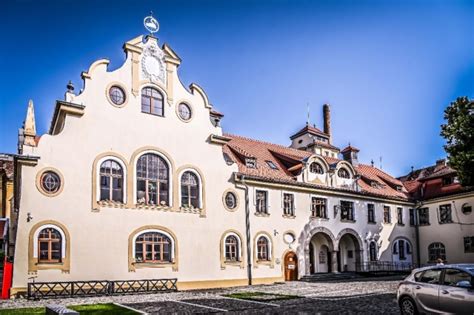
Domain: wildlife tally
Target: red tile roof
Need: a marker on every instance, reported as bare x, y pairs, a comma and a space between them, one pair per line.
350, 148
309, 129
285, 158
427, 183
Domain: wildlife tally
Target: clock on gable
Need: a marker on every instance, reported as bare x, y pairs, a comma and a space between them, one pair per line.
153, 65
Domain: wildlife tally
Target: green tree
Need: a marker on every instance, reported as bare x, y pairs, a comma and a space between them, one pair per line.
459, 134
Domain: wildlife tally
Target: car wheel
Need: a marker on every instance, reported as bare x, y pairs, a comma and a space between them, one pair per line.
408, 306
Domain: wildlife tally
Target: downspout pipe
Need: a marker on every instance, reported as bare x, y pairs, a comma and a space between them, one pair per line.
247, 230
417, 233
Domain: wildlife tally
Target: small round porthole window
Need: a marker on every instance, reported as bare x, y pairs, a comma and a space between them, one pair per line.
230, 200
50, 182
117, 95
289, 238
184, 112
466, 208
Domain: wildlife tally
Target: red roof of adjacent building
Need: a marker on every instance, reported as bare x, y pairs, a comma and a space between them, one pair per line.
427, 183
285, 158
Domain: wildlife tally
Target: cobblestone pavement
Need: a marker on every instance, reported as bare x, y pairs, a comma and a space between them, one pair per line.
352, 297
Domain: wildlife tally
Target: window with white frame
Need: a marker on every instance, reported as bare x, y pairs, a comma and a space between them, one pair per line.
232, 248
111, 181
347, 210
190, 190
319, 208
263, 249
153, 182
289, 204
261, 201
445, 214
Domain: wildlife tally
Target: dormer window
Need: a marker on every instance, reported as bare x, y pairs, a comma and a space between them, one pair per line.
251, 162
399, 188
343, 173
374, 184
316, 168
272, 165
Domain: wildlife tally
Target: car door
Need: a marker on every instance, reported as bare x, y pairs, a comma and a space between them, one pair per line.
453, 298
427, 290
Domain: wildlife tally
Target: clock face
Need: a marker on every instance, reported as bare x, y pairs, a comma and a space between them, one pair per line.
153, 65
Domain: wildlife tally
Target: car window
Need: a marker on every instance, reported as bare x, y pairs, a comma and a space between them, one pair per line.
431, 276
417, 276
453, 276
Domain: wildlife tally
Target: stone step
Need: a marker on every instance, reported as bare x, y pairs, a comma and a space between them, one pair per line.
328, 277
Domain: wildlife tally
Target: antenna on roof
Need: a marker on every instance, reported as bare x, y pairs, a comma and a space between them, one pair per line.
307, 109
380, 162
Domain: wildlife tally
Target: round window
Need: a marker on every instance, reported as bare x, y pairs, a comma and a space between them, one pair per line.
184, 111
289, 238
230, 200
50, 182
117, 95
466, 208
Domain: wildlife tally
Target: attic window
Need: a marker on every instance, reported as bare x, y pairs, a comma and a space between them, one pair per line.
399, 188
374, 184
272, 165
251, 162
343, 173
316, 168
227, 159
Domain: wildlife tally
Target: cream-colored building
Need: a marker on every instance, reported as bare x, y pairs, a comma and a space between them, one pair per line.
444, 211
136, 180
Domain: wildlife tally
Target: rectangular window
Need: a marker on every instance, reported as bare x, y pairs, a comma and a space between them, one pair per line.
412, 217
387, 218
469, 244
371, 213
347, 210
318, 208
289, 204
261, 201
448, 180
424, 216
445, 214
400, 216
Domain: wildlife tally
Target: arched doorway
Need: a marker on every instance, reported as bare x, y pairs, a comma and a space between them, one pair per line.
291, 266
350, 251
320, 253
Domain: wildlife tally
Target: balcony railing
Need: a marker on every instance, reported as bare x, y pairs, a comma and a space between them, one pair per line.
385, 267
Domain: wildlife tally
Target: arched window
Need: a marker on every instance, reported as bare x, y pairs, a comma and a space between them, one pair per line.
190, 190
263, 248
153, 247
49, 246
343, 173
111, 181
232, 248
152, 180
316, 168
373, 251
436, 250
152, 101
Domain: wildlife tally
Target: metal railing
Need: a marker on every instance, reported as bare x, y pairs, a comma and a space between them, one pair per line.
385, 266
46, 290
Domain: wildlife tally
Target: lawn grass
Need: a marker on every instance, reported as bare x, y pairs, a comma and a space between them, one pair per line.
24, 311
261, 296
93, 309
101, 309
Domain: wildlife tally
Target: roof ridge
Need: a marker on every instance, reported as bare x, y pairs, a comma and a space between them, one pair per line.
262, 141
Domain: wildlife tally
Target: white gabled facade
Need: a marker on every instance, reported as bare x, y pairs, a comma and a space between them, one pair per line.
99, 238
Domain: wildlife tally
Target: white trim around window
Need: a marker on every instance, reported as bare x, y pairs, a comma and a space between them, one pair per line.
239, 242
200, 185
124, 176
134, 239
270, 253
170, 174
49, 226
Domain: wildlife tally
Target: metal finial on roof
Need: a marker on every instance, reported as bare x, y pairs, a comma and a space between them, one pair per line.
70, 87
307, 109
372, 162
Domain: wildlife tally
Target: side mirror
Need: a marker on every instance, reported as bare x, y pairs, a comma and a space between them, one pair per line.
464, 284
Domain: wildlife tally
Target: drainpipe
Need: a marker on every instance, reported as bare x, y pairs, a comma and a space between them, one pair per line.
247, 230
417, 234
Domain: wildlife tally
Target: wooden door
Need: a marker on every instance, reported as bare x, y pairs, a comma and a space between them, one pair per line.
291, 267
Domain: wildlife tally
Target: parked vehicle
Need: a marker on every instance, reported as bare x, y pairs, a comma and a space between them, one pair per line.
447, 289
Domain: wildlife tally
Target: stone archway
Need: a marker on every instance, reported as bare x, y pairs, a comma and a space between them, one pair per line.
320, 251
350, 250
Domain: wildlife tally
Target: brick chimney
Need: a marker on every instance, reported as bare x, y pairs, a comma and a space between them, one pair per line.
327, 121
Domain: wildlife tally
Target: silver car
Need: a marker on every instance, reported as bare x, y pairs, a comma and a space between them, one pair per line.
438, 289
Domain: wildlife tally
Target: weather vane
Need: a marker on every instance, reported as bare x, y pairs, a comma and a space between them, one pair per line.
151, 24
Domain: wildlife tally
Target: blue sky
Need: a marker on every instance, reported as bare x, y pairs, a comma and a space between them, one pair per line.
388, 68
